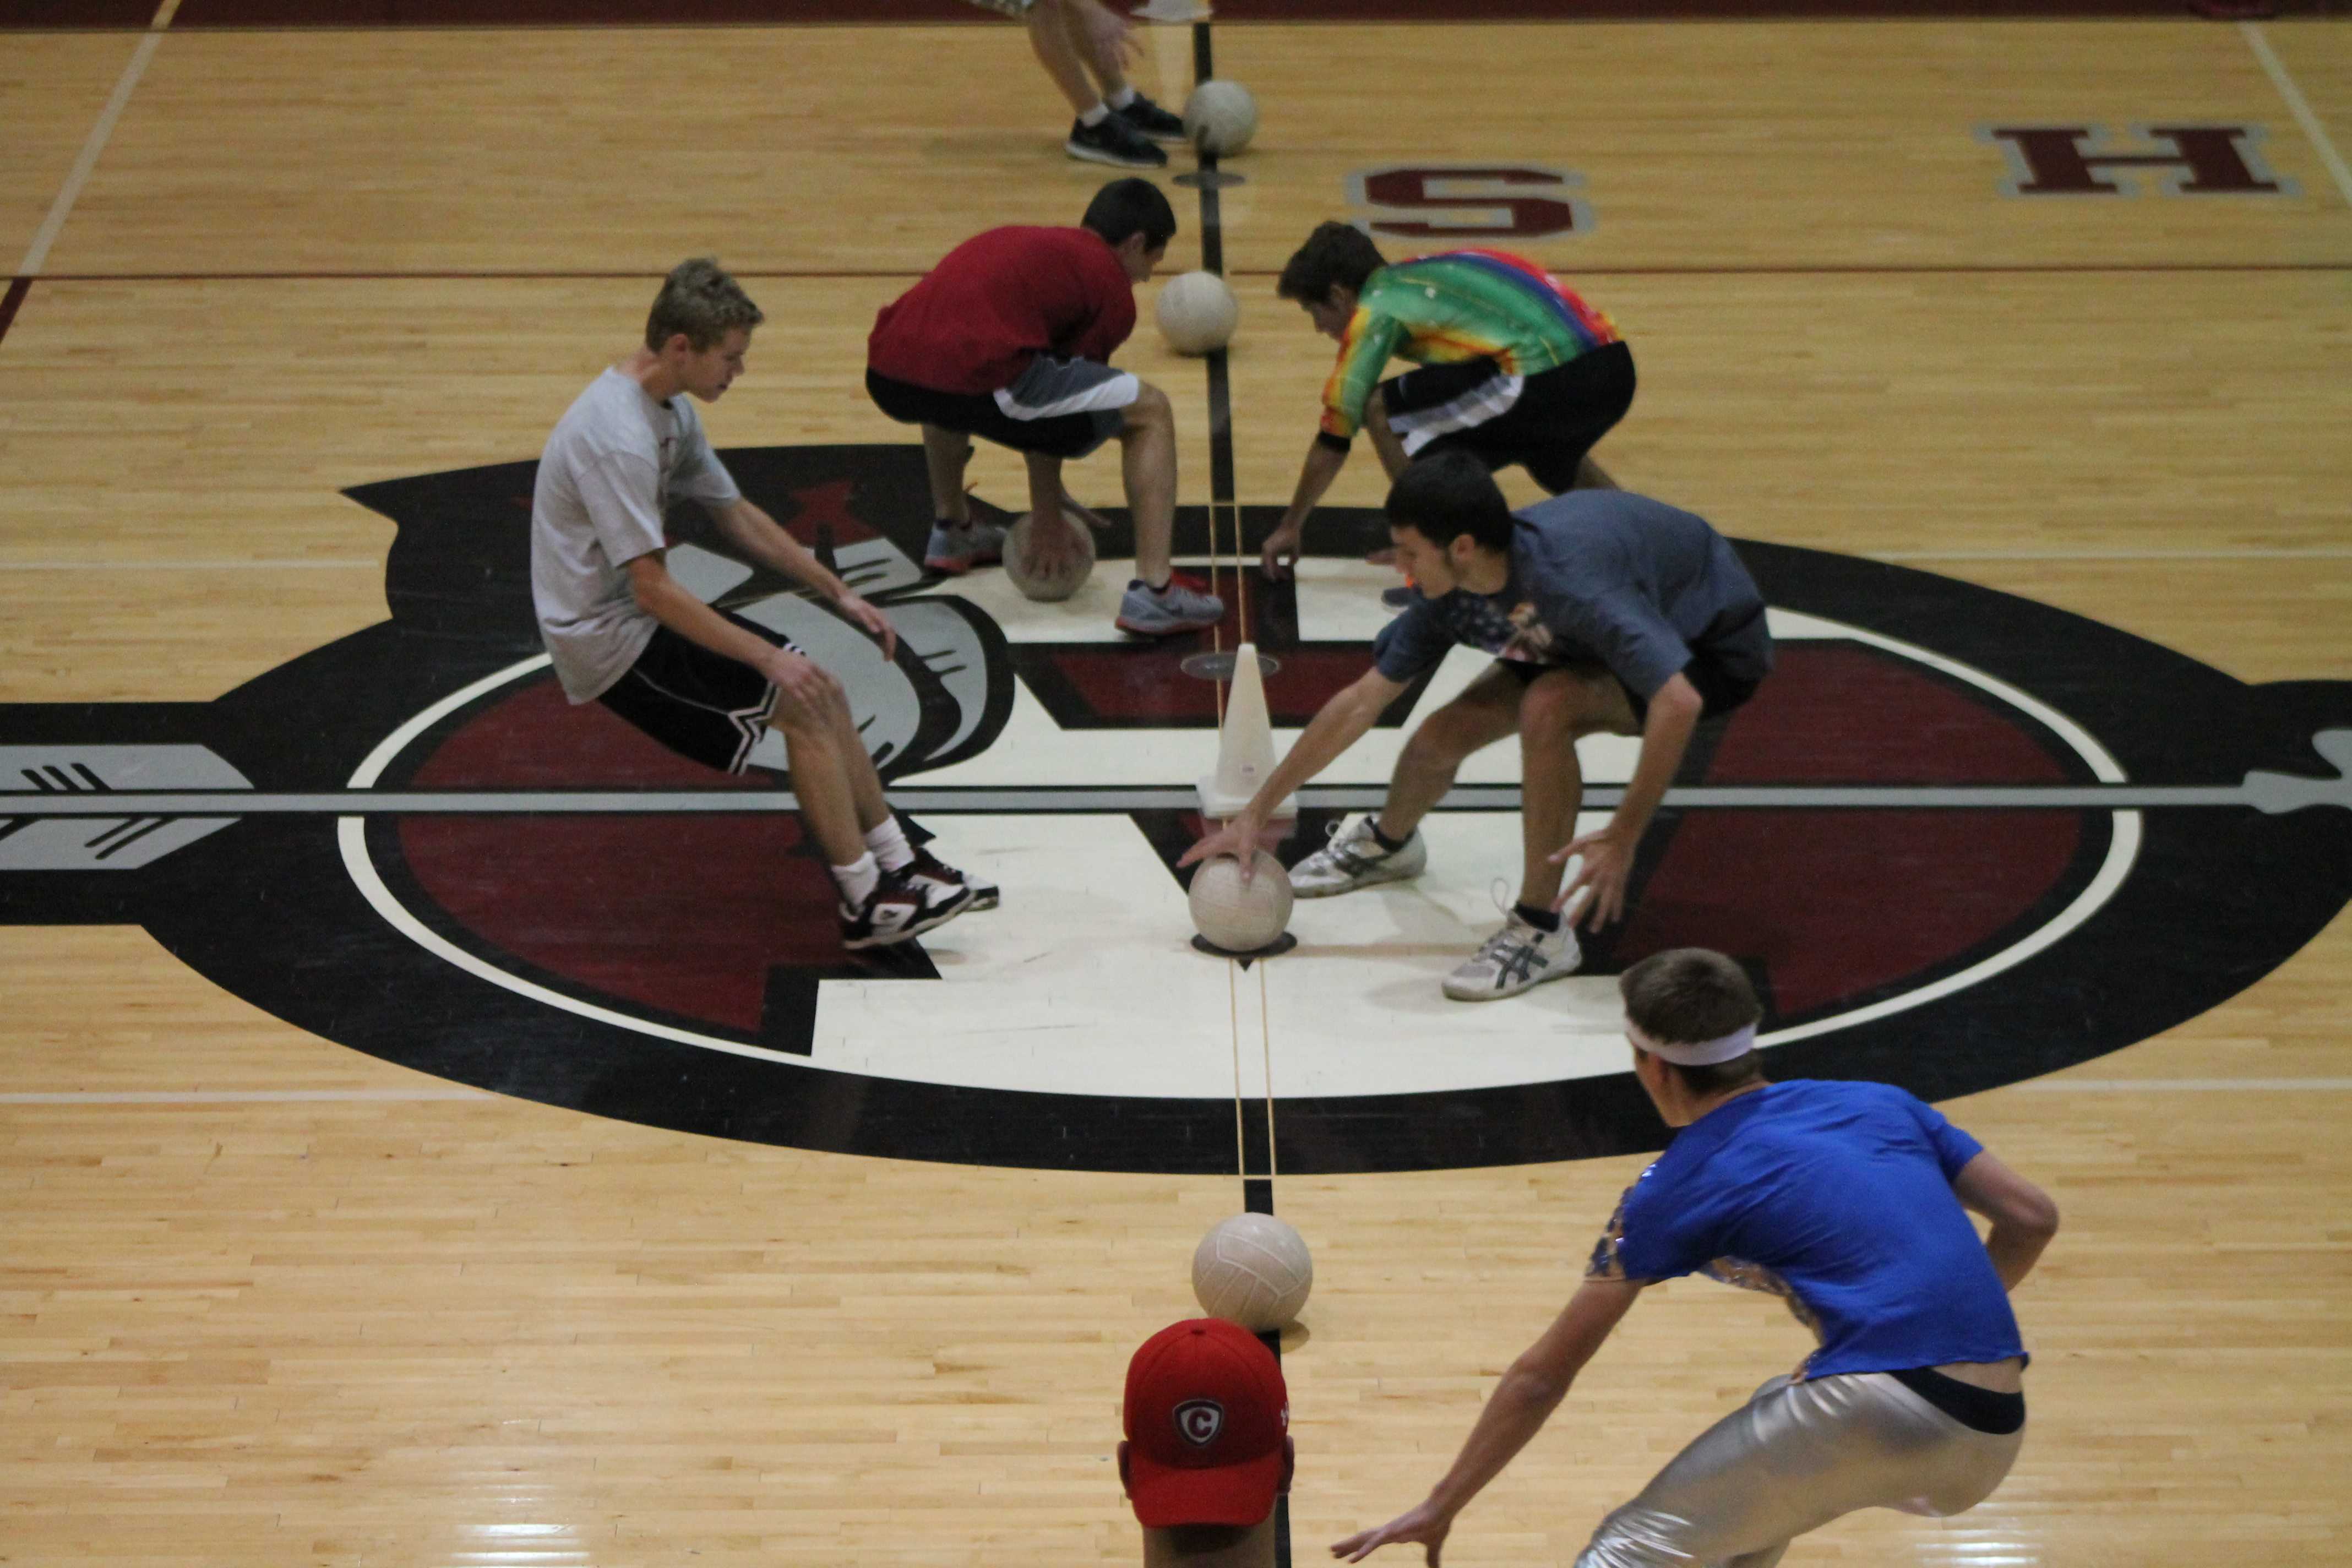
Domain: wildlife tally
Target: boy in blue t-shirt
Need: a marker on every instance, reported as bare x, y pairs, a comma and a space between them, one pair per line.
1847, 1199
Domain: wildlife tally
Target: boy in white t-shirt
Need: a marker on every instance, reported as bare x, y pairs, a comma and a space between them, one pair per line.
623, 632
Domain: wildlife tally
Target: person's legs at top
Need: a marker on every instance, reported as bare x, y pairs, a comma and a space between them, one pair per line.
1066, 37
1102, 38
884, 834
1537, 942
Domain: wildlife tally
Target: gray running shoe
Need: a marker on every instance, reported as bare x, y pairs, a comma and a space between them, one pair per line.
956, 551
1185, 606
1354, 859
1516, 958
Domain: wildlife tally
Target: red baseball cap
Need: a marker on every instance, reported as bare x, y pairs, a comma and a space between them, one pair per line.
1206, 1416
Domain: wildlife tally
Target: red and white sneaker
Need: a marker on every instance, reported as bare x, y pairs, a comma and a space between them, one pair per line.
900, 908
929, 867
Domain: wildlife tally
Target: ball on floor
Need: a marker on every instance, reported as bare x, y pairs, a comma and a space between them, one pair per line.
1033, 577
1255, 1270
1238, 916
1220, 116
1197, 313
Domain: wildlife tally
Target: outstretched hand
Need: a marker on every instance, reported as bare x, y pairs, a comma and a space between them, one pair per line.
1280, 557
875, 622
1608, 863
1111, 43
1422, 1523
1237, 838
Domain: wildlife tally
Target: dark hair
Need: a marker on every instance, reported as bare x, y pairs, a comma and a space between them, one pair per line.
699, 300
1687, 994
1447, 494
1336, 253
1131, 206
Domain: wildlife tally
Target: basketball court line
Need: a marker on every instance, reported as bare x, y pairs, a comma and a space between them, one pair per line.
248, 1095
2299, 107
36, 255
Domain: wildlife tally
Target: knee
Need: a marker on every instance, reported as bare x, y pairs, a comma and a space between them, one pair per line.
822, 708
1564, 703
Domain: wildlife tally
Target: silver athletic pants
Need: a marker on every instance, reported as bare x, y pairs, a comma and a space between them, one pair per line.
1795, 1456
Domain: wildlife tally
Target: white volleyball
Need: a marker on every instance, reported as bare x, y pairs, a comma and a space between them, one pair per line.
1238, 916
1220, 116
1036, 583
1197, 313
1255, 1270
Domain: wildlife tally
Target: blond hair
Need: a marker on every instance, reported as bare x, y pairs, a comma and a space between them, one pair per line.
699, 300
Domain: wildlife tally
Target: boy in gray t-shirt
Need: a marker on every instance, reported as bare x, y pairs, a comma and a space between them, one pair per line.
1607, 614
623, 632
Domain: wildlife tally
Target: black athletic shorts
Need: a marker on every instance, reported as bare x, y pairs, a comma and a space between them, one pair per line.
1546, 422
698, 703
1057, 407
1718, 689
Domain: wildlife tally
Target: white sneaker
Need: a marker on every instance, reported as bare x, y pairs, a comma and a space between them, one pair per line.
1354, 859
1516, 958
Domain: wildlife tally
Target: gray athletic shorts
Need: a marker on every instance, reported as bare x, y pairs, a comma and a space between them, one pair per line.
1797, 1456
1055, 407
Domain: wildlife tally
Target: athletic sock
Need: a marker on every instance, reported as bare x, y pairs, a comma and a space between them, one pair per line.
1388, 846
1095, 116
1149, 588
1122, 98
1542, 920
890, 846
859, 880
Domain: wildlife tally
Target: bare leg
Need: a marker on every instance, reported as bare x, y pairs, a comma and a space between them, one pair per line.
1113, 80
1487, 710
1559, 706
1147, 463
820, 780
1053, 34
945, 454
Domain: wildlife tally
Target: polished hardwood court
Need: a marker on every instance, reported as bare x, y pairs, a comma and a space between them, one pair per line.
266, 1298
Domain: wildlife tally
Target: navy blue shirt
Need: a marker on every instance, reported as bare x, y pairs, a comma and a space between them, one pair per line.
1598, 577
1837, 1196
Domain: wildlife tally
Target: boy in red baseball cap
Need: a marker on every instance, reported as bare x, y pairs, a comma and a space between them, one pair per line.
1207, 1450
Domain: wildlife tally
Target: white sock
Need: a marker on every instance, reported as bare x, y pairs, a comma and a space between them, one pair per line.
890, 846
858, 880
1122, 98
1094, 116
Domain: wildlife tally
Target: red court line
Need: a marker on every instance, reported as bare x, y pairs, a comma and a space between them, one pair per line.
9, 302
1792, 270
438, 14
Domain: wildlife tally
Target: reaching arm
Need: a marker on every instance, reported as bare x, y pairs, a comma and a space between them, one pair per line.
1530, 1391
758, 536
1609, 851
1324, 461
1337, 726
2024, 1217
666, 599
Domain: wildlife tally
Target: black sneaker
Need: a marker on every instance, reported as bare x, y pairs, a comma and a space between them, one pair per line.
899, 908
1153, 120
1114, 141
929, 867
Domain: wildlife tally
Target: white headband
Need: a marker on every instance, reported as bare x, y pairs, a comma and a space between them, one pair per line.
1701, 1054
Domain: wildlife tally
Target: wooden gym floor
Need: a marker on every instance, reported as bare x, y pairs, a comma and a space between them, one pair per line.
266, 1300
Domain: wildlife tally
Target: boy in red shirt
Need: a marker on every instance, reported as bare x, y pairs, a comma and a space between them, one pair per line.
1006, 339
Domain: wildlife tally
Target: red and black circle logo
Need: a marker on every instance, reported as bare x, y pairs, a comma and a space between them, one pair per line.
1958, 839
